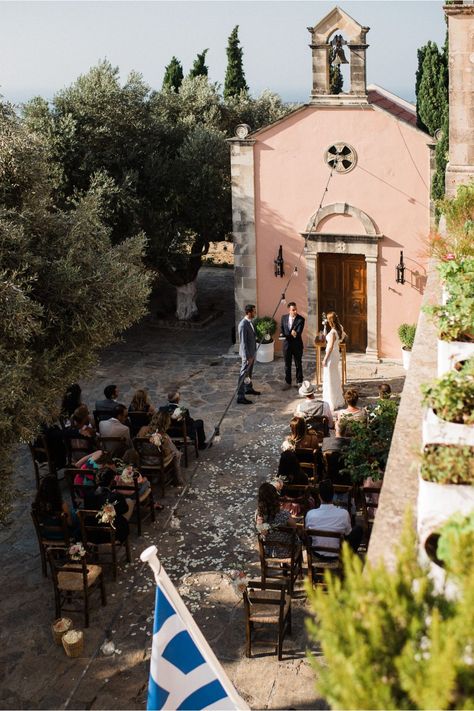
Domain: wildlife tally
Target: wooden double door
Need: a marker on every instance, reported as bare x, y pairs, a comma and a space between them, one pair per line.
342, 287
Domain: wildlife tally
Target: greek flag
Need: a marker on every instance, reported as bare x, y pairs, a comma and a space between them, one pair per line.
182, 674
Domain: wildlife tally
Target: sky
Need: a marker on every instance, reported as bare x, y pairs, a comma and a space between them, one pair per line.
45, 46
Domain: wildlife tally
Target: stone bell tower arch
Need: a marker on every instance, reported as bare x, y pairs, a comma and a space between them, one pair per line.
355, 35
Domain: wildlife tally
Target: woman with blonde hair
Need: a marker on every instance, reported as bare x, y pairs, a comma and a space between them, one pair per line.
300, 437
141, 402
160, 441
332, 383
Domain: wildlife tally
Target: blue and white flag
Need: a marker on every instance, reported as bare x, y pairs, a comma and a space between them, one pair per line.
182, 673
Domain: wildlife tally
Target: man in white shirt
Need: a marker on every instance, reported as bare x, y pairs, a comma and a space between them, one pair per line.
331, 518
116, 427
311, 406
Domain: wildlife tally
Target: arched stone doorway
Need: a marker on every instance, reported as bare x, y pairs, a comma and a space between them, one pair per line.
321, 241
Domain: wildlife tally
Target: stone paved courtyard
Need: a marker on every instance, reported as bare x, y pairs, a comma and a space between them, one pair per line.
205, 530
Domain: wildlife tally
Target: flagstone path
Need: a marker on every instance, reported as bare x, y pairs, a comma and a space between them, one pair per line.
205, 530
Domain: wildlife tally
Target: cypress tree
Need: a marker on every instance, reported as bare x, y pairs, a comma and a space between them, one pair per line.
335, 75
432, 106
173, 75
234, 76
199, 67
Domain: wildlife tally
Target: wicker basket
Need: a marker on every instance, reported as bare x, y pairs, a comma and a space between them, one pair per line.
73, 643
59, 627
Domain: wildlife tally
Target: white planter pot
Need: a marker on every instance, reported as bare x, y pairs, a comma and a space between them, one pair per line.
437, 502
444, 296
451, 352
438, 431
406, 357
266, 352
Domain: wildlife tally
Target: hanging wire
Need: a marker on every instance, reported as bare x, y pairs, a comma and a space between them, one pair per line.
216, 434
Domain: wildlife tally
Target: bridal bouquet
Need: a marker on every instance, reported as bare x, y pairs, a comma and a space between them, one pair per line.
107, 514
239, 581
76, 551
156, 439
178, 413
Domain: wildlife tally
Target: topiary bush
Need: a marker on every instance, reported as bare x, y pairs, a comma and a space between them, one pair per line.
406, 334
265, 327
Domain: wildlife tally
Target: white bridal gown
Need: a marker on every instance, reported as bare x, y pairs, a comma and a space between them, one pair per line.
332, 384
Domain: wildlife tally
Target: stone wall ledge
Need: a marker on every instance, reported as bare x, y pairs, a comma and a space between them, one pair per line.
400, 487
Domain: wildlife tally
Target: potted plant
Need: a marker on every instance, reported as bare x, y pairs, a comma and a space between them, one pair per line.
445, 485
449, 417
406, 334
454, 319
265, 327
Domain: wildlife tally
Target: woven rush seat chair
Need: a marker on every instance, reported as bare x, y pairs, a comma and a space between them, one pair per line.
70, 578
319, 425
179, 435
50, 534
317, 565
141, 504
288, 567
267, 604
90, 529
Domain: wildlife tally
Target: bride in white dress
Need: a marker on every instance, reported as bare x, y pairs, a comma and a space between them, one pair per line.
332, 384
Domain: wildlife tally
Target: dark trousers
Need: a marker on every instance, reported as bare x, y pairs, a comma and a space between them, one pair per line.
297, 355
197, 427
246, 371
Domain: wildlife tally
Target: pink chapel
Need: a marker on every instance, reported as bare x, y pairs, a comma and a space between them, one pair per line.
342, 185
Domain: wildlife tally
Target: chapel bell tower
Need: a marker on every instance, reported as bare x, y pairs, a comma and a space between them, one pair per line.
347, 47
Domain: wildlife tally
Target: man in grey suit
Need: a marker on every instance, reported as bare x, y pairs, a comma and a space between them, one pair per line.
247, 350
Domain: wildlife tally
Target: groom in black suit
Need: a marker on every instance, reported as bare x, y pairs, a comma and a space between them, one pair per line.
292, 325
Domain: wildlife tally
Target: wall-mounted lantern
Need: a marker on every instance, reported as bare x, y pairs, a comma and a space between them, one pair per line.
278, 262
400, 269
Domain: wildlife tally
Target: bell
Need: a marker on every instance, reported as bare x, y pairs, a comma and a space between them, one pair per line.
339, 57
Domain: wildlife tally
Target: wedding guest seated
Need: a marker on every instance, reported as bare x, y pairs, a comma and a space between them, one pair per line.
90, 465
71, 400
116, 427
193, 427
289, 470
329, 517
49, 506
81, 434
131, 469
159, 425
352, 412
104, 494
269, 512
340, 441
385, 393
108, 405
300, 437
140, 411
311, 406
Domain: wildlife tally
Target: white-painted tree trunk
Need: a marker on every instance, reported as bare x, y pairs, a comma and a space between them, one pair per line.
186, 301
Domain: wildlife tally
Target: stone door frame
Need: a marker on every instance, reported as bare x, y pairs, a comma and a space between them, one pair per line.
366, 245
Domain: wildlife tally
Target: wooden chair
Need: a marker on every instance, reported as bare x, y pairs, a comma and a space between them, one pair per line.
308, 460
76, 492
333, 463
43, 461
78, 446
90, 528
319, 425
289, 566
146, 500
74, 578
369, 498
50, 534
299, 495
138, 420
100, 415
115, 445
179, 435
317, 566
267, 604
154, 472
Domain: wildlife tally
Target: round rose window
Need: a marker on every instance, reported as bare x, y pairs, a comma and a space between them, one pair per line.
341, 157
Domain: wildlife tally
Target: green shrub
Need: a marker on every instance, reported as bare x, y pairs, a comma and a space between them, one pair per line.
456, 543
265, 327
369, 447
452, 395
455, 319
389, 641
448, 464
406, 334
